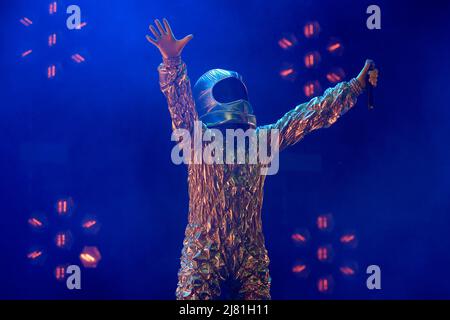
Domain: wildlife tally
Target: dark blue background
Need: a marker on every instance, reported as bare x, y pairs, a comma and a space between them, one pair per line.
100, 133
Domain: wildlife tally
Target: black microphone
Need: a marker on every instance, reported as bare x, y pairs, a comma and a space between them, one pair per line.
370, 103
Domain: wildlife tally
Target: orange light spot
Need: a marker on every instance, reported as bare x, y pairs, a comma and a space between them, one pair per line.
311, 59
34, 254
60, 272
347, 271
322, 222
82, 25
25, 53
78, 58
311, 88
61, 240
311, 29
285, 43
61, 206
334, 47
323, 285
52, 8
299, 268
35, 222
322, 253
87, 257
346, 238
51, 73
286, 72
298, 237
90, 223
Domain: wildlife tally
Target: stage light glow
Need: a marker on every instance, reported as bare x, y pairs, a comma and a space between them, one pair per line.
81, 25
60, 272
52, 8
37, 222
26, 22
348, 268
349, 239
325, 253
312, 59
311, 29
285, 43
64, 207
51, 71
90, 224
36, 255
297, 237
64, 239
288, 72
335, 75
288, 41
335, 47
347, 271
300, 269
26, 53
52, 40
325, 222
300, 237
78, 58
325, 284
90, 257
311, 88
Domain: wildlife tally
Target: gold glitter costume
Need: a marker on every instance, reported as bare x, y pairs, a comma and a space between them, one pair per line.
224, 238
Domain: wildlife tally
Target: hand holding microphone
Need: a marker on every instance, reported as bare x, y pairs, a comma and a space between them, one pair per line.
369, 69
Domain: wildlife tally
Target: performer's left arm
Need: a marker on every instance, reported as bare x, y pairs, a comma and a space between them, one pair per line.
323, 111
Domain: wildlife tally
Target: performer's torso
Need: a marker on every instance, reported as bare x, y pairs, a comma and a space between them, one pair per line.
227, 198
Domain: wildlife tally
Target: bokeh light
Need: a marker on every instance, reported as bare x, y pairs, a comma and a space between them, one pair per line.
312, 59
301, 237
37, 222
288, 41
325, 253
311, 29
64, 240
349, 239
90, 225
335, 47
325, 284
325, 222
64, 206
90, 257
335, 75
312, 88
36, 255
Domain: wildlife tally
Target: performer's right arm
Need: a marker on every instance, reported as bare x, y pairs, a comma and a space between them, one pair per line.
176, 87
173, 77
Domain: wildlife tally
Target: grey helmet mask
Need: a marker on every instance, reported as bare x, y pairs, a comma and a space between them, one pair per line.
221, 98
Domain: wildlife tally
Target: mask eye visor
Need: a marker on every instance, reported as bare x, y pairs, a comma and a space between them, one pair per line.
229, 90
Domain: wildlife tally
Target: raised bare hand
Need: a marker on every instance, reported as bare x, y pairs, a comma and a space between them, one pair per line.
165, 41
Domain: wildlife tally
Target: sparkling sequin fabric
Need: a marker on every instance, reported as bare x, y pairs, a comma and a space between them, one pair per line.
224, 239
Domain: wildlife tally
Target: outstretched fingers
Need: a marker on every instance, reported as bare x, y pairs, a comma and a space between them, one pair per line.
151, 40
160, 27
154, 32
168, 28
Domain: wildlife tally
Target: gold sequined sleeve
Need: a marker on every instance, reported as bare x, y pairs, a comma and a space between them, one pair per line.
319, 112
175, 85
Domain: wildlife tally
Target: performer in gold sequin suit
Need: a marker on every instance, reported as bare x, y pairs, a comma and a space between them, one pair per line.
224, 241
